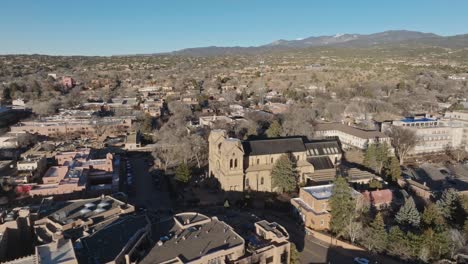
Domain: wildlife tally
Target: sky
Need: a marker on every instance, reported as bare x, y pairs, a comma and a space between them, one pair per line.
113, 27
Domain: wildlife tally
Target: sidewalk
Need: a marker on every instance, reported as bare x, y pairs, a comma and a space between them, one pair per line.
330, 241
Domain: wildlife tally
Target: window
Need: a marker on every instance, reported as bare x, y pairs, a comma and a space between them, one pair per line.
230, 164
272, 160
322, 222
269, 259
261, 181
258, 161
247, 183
235, 163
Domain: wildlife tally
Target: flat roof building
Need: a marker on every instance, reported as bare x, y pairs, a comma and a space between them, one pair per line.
195, 238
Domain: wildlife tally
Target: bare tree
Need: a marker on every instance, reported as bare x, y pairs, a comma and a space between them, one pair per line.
403, 140
198, 147
354, 231
299, 121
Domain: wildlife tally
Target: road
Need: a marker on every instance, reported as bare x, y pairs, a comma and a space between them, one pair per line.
146, 194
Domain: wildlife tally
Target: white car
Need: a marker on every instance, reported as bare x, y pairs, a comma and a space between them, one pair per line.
361, 260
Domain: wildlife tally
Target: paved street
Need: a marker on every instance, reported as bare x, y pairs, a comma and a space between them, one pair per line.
145, 193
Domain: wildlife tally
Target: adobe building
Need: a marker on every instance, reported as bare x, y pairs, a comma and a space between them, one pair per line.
76, 172
77, 218
195, 238
247, 165
312, 205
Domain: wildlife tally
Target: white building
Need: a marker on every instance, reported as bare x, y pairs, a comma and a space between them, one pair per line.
460, 119
433, 135
351, 137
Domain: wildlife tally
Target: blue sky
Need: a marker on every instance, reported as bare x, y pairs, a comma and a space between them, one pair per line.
106, 27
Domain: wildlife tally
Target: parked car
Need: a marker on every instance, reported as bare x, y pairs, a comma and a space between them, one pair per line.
361, 260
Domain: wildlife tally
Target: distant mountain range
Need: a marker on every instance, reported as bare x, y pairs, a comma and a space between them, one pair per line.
392, 37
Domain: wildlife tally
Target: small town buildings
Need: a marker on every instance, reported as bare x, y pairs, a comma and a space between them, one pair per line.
68, 82
31, 167
75, 219
153, 107
351, 137
78, 172
73, 128
15, 234
379, 199
429, 180
132, 141
196, 238
211, 121
312, 205
247, 165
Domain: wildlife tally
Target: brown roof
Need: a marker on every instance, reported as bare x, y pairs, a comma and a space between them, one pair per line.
358, 132
379, 196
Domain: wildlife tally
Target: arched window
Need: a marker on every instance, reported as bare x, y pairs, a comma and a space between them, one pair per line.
261, 181
271, 160
230, 164
258, 161
235, 163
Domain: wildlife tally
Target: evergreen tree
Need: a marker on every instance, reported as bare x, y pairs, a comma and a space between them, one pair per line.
375, 184
294, 258
432, 217
392, 169
283, 175
342, 206
381, 156
369, 156
376, 156
182, 173
448, 204
377, 235
275, 129
408, 214
434, 244
398, 243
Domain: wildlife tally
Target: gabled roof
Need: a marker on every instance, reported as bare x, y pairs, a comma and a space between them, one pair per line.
273, 146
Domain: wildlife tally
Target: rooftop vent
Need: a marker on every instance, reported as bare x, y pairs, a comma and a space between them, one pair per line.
103, 204
99, 210
85, 211
89, 205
